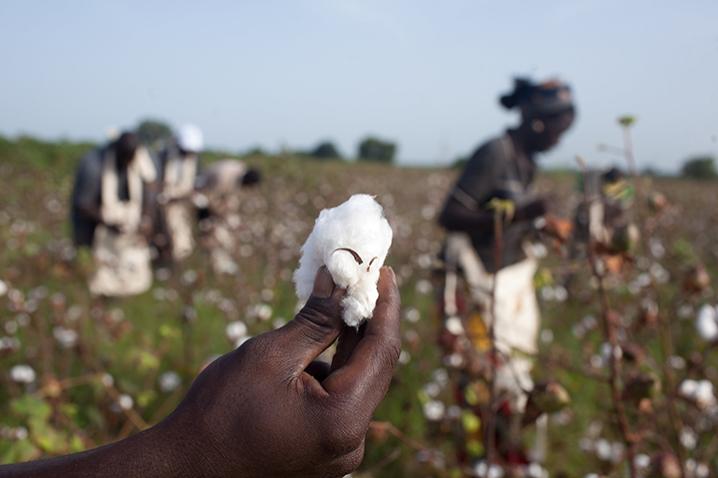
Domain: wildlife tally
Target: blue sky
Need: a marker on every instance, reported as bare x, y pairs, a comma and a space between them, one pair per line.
423, 73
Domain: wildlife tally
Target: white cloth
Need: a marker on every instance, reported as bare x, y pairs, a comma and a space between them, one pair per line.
126, 215
517, 313
122, 264
122, 258
179, 179
179, 225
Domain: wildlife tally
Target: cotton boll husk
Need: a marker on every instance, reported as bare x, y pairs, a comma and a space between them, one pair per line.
355, 226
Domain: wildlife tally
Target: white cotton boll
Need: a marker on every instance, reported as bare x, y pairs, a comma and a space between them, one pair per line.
603, 449
699, 391
352, 240
125, 402
169, 381
344, 267
707, 322
704, 394
688, 439
67, 338
434, 410
236, 330
642, 461
22, 374
688, 388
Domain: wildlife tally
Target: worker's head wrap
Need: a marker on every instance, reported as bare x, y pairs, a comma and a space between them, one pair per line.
539, 100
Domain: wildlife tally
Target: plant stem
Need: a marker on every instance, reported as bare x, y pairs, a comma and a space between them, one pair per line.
490, 435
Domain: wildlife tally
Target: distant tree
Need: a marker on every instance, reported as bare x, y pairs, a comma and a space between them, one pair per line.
152, 131
700, 167
325, 150
255, 151
374, 149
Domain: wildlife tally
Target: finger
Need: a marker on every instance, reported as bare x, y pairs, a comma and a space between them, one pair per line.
318, 369
315, 327
348, 340
364, 379
347, 463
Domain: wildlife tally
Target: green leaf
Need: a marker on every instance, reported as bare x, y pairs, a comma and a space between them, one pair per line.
30, 406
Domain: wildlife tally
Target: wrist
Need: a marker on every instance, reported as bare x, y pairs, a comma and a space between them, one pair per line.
194, 449
187, 452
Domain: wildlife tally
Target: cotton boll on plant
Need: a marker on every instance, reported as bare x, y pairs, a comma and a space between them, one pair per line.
707, 322
352, 241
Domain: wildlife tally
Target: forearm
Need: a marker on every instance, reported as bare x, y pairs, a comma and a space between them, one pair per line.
457, 217
91, 212
155, 452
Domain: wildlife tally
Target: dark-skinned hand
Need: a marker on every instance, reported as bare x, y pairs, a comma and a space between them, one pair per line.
268, 408
532, 210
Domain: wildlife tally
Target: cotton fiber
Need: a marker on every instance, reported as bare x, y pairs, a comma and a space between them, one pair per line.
352, 240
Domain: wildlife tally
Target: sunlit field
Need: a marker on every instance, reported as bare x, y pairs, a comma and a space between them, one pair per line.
77, 372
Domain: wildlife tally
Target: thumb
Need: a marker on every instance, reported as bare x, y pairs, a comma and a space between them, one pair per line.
316, 326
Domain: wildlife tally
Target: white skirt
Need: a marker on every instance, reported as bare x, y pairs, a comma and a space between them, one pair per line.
179, 226
122, 263
517, 317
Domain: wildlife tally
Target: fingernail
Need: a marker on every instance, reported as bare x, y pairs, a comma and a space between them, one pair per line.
391, 274
323, 284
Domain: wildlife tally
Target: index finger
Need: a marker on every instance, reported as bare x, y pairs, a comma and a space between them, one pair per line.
364, 378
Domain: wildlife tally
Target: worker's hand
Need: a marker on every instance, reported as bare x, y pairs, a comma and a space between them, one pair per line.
269, 409
531, 210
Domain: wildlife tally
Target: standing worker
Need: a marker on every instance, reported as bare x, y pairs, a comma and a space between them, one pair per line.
178, 165
111, 214
498, 281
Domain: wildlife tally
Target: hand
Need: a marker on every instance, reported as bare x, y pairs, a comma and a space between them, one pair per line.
266, 409
269, 409
531, 210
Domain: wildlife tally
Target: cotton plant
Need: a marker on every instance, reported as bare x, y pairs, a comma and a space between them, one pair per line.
701, 392
352, 240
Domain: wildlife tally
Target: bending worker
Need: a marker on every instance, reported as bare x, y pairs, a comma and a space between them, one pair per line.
111, 213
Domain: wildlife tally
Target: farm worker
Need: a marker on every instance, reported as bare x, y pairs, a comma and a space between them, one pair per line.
219, 199
111, 214
497, 182
267, 408
178, 164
